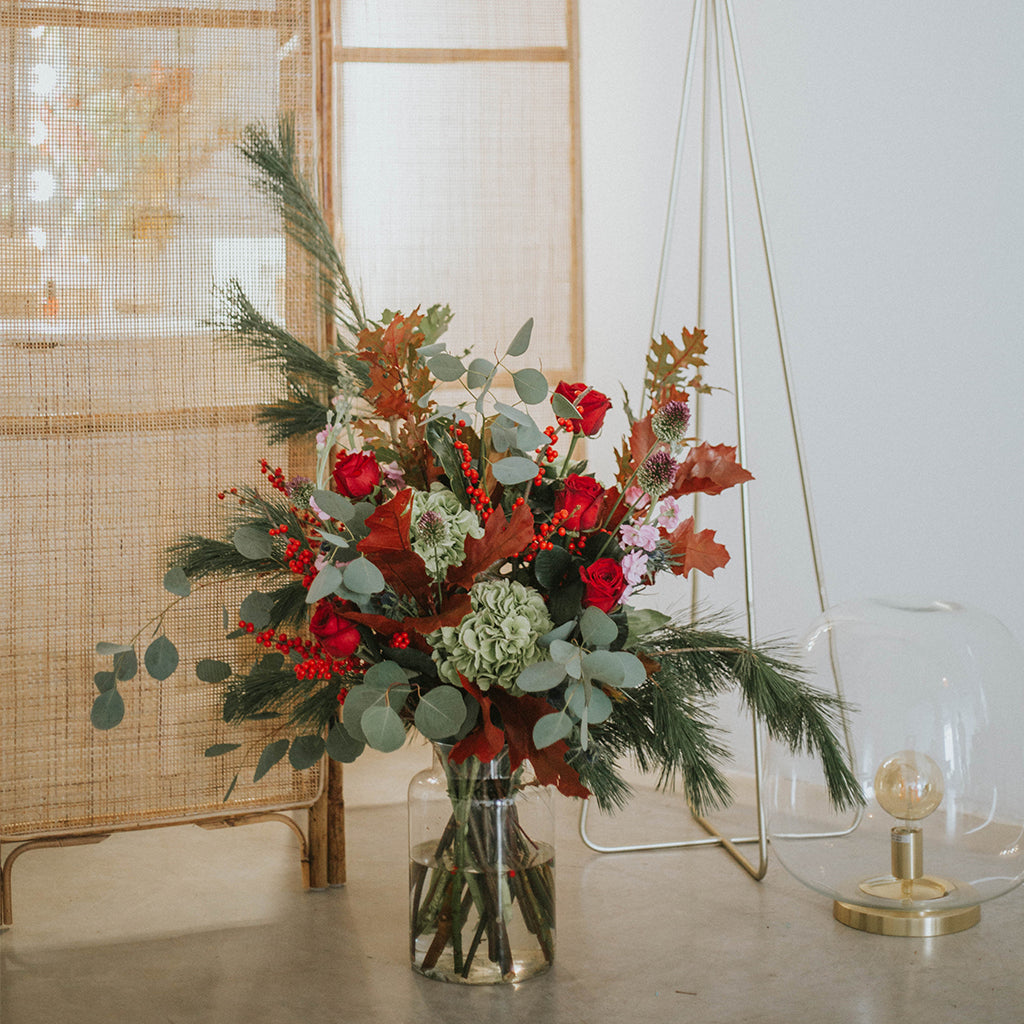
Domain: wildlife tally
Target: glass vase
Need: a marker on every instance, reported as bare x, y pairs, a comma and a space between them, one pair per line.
481, 872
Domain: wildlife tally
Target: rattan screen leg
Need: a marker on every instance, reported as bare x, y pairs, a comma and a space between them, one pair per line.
336, 866
318, 841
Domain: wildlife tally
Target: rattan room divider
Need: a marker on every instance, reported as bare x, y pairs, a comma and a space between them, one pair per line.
444, 135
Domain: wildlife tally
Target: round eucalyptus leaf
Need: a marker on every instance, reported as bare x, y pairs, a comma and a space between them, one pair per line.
358, 700
176, 582
210, 670
256, 609
550, 729
529, 437
105, 648
545, 675
518, 416
363, 577
107, 710
479, 373
161, 658
126, 664
514, 470
383, 674
383, 729
325, 583
531, 385
597, 628
633, 671
306, 751
564, 653
253, 543
502, 437
604, 666
445, 366
595, 707
272, 753
337, 506
105, 681
341, 746
562, 632
440, 712
521, 342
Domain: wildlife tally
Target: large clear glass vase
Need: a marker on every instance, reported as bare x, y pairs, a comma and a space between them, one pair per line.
481, 872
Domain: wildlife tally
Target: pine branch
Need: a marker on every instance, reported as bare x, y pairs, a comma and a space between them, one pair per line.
279, 178
298, 416
793, 712
245, 327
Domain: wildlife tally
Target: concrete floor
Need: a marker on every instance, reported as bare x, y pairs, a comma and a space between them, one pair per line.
183, 926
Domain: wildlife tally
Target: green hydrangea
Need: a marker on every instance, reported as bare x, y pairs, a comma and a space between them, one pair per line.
497, 639
439, 528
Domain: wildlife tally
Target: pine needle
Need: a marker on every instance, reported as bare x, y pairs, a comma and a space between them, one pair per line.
279, 178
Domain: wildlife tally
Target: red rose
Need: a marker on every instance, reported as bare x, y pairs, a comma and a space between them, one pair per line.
356, 474
583, 498
592, 407
337, 635
604, 582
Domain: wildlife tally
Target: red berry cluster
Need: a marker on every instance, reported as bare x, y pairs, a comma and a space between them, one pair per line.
548, 454
313, 663
400, 640
300, 559
323, 666
276, 531
275, 477
281, 641
221, 495
478, 497
540, 540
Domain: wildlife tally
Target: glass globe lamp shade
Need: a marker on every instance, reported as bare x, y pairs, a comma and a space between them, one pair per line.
936, 692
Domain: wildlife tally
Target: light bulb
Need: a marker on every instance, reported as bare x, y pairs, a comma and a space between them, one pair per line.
909, 785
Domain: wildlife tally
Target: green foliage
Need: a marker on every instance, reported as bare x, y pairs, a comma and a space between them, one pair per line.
278, 176
668, 727
272, 753
107, 710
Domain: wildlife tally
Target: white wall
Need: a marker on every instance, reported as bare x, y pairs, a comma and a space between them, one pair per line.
891, 146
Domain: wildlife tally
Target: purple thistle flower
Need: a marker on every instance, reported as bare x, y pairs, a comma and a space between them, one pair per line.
669, 423
657, 473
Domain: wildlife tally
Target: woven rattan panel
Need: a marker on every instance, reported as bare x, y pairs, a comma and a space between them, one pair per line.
122, 203
471, 195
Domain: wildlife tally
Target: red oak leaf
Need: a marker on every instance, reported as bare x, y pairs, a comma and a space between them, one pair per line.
502, 538
696, 550
453, 612
641, 440
378, 623
709, 469
519, 715
486, 740
387, 546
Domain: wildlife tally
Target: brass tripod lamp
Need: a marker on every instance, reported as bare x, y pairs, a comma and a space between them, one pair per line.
936, 690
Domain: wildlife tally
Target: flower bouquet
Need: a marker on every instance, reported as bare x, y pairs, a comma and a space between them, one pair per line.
453, 567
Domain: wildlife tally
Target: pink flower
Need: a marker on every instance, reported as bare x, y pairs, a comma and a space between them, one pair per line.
644, 536
394, 475
634, 567
669, 514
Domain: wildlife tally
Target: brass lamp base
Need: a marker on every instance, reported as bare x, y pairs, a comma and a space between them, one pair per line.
917, 924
